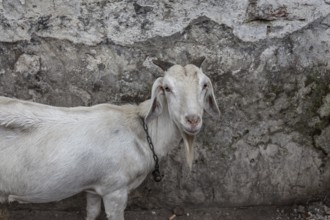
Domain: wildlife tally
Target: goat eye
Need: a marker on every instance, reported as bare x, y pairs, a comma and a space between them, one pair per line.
205, 86
167, 89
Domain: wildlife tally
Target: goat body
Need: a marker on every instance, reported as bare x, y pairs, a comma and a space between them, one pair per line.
51, 153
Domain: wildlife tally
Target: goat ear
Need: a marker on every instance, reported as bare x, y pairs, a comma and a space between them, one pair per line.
156, 106
198, 62
210, 103
163, 64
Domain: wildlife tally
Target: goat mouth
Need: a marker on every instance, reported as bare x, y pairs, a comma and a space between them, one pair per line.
191, 131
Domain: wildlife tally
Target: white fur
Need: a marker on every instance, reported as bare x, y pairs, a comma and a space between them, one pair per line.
51, 153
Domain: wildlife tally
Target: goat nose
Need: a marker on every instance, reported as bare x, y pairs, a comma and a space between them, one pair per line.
193, 119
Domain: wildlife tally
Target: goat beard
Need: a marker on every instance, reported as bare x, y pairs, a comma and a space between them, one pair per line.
189, 142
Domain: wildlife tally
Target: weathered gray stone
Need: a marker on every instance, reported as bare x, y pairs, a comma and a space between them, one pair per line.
323, 140
125, 22
268, 60
27, 65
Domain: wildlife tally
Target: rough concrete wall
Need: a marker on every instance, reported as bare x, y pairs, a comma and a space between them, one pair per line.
269, 61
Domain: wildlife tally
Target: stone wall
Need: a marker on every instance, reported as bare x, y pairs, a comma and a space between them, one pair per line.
269, 61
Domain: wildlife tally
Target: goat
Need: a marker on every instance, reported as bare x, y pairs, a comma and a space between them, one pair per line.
50, 153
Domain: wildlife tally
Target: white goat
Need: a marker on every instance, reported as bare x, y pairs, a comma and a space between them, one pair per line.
51, 153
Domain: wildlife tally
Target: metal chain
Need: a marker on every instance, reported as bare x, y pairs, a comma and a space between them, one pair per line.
156, 172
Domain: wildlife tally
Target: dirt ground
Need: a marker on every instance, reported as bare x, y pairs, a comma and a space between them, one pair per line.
313, 211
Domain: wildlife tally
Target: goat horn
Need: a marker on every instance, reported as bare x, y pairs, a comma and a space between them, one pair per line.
198, 62
163, 64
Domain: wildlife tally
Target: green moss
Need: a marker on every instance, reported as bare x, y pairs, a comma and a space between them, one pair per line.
320, 89
313, 102
310, 103
325, 108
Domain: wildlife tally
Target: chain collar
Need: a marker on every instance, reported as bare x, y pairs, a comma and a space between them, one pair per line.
156, 172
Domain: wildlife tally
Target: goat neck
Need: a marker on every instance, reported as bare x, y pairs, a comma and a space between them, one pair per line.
163, 131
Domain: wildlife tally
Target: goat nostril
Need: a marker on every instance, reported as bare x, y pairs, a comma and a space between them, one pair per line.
193, 119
